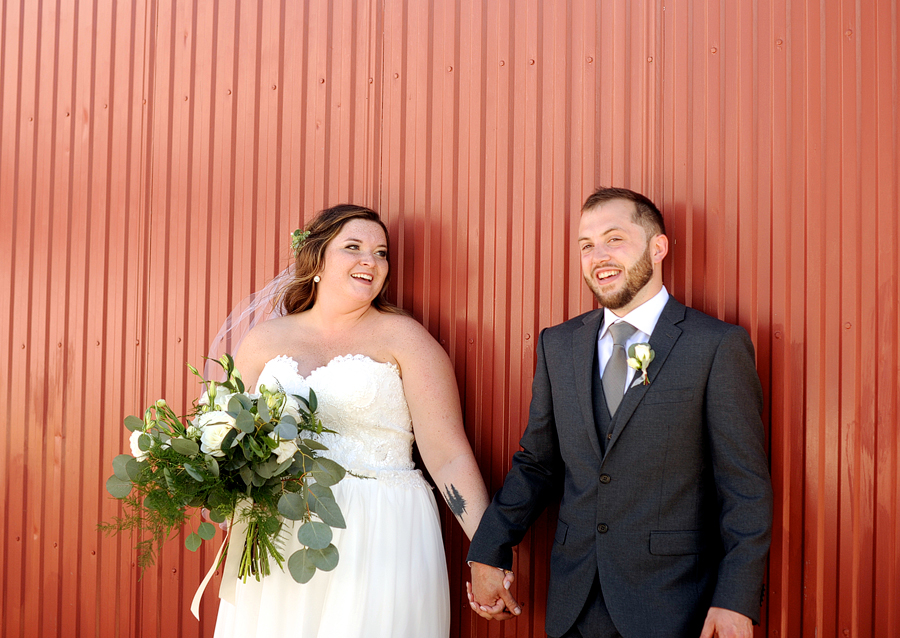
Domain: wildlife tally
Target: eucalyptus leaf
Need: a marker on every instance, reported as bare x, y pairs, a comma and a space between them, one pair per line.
286, 431
292, 506
245, 422
287, 418
267, 468
315, 535
321, 501
194, 473
258, 481
230, 439
186, 447
145, 441
327, 472
312, 444
263, 409
212, 465
120, 466
192, 542
134, 468
216, 516
117, 487
301, 567
235, 405
133, 423
246, 473
207, 531
324, 559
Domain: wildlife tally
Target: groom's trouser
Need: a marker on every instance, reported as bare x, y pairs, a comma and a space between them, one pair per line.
594, 620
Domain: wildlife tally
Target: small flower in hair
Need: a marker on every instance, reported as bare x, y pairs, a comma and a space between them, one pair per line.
297, 239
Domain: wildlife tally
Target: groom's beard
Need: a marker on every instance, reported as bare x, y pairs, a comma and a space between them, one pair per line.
636, 277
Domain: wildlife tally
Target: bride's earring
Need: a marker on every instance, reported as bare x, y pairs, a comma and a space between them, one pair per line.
317, 279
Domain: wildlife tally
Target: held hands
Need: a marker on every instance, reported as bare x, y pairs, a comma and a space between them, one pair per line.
489, 594
724, 623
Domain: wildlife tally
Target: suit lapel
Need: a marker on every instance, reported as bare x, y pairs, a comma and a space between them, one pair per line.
663, 339
584, 349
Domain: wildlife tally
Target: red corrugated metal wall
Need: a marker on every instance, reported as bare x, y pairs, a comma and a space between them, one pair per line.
155, 154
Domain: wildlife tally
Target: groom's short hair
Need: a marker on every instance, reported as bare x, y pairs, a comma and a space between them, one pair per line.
646, 214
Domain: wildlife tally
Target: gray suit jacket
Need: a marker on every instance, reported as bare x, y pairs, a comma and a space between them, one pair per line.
674, 512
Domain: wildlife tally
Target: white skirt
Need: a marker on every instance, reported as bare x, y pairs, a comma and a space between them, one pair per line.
390, 582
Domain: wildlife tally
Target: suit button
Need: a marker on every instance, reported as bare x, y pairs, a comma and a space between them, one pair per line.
604, 478
602, 528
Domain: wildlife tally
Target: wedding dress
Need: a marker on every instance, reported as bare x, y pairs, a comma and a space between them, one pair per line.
391, 578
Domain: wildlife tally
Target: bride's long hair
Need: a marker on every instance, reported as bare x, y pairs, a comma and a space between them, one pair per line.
300, 292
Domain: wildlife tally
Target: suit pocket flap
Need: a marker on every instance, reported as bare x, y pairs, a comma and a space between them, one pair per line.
676, 543
668, 396
561, 531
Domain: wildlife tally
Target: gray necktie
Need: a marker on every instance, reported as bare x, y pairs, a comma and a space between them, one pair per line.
616, 369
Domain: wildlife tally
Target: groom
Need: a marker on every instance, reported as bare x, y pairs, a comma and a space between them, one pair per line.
666, 508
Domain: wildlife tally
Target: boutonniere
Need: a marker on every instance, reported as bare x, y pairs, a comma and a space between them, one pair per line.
639, 357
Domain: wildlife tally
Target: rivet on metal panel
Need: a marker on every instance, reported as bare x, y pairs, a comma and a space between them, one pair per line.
531, 61
778, 335
174, 571
396, 76
228, 92
137, 342
527, 336
93, 552
106, 106
59, 345
779, 41
55, 544
846, 632
713, 50
178, 340
848, 32
590, 59
649, 59
371, 80
502, 62
23, 346
67, 113
274, 86
185, 98
471, 341
145, 101
98, 343
321, 80
847, 326
31, 119
449, 69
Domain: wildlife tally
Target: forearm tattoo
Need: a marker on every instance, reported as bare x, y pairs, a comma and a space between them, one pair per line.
455, 500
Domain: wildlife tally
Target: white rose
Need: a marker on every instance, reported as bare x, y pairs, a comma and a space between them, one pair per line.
286, 448
136, 451
214, 426
642, 351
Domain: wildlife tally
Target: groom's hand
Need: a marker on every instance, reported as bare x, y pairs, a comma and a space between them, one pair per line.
724, 623
489, 594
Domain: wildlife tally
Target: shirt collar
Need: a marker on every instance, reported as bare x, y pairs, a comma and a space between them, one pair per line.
644, 317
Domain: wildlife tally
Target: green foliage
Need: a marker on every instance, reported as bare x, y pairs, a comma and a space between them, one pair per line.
224, 456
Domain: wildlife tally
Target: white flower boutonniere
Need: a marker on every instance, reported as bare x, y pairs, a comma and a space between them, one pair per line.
639, 357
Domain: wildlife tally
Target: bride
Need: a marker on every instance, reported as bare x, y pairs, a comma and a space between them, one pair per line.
381, 380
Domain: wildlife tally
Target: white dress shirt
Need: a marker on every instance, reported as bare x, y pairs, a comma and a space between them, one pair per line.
644, 318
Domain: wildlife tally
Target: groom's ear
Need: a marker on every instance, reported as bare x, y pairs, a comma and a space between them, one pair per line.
659, 248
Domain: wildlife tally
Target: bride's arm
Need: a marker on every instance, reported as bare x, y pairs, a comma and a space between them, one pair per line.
433, 399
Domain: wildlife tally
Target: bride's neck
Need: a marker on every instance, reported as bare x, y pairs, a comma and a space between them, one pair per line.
335, 318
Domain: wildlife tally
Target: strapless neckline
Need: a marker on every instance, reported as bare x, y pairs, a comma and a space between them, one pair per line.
333, 361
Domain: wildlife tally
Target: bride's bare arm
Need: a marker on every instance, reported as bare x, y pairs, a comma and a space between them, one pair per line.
433, 399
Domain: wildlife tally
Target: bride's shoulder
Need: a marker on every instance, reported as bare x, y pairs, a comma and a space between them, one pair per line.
409, 339
264, 342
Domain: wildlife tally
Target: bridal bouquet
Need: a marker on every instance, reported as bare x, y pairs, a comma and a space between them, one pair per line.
248, 458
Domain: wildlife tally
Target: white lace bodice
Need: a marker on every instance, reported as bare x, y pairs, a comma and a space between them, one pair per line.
362, 400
